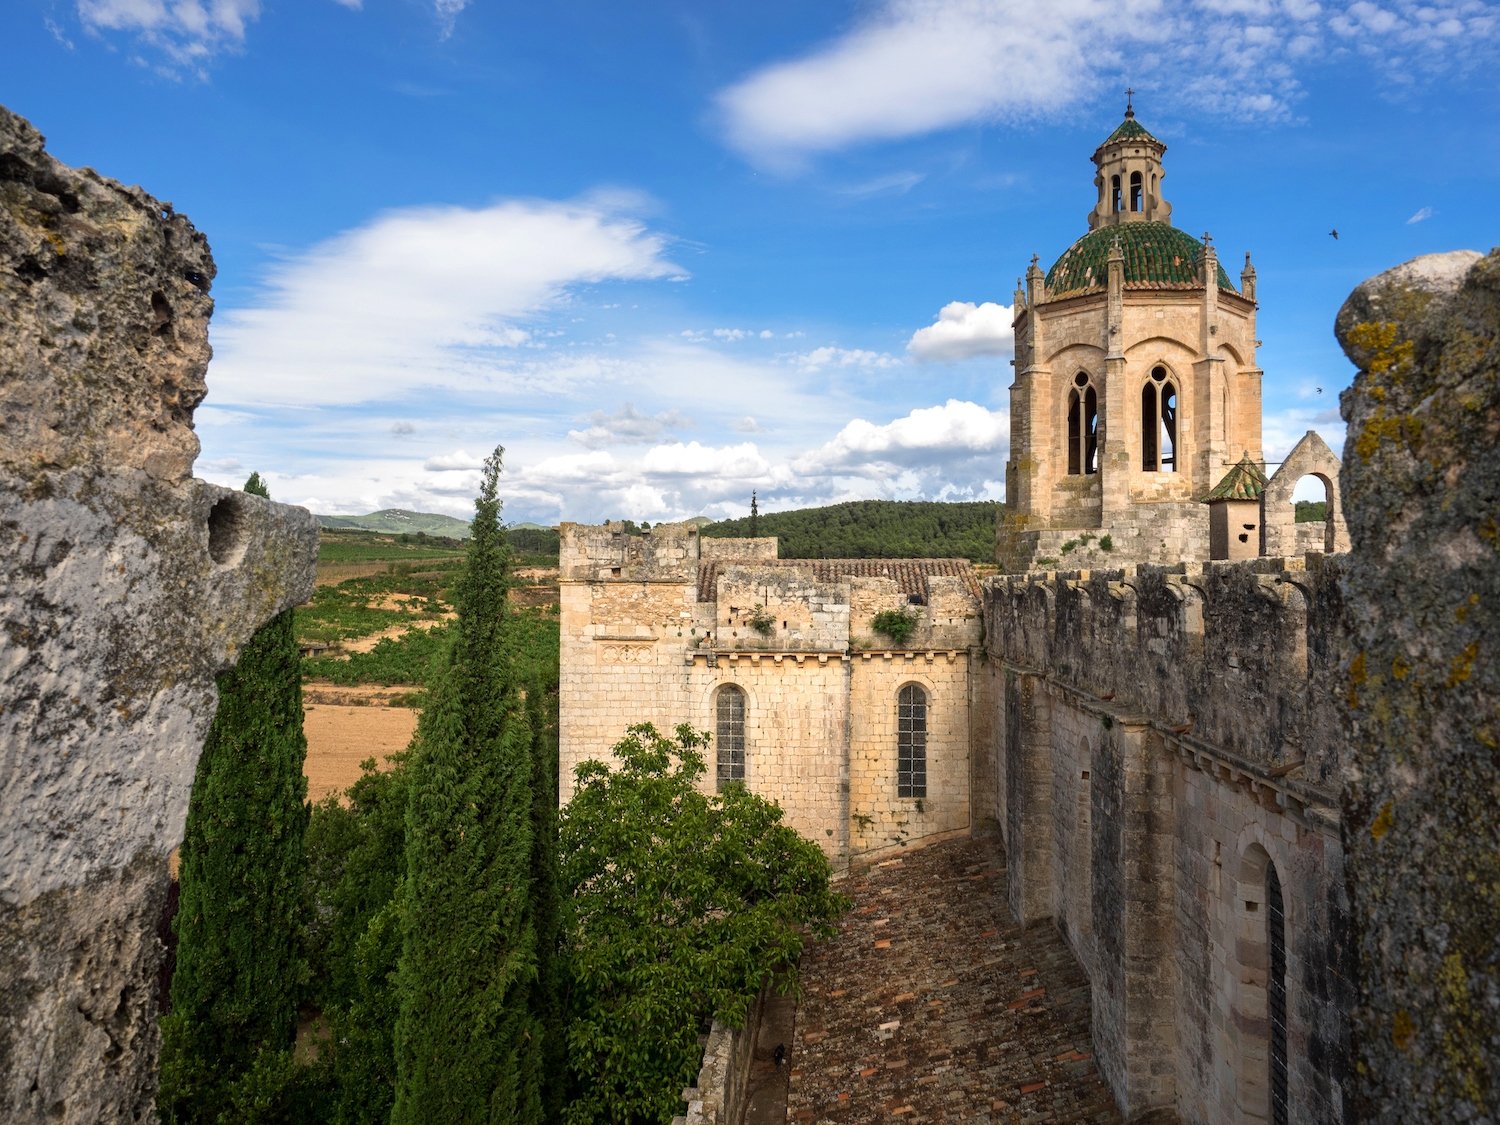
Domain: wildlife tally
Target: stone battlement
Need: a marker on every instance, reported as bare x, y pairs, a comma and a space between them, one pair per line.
1242, 655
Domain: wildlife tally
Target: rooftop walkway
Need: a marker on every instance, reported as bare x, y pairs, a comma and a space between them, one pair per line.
931, 1005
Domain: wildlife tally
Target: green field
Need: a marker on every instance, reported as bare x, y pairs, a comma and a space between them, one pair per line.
338, 545
397, 521
349, 545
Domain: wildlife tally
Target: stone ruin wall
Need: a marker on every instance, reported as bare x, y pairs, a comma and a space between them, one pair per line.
127, 587
1421, 475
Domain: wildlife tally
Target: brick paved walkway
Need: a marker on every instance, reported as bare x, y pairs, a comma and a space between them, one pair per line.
932, 1005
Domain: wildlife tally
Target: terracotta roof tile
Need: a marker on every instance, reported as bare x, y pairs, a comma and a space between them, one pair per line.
910, 575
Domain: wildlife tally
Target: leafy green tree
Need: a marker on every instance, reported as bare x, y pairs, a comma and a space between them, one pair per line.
683, 906
256, 486
469, 1043
240, 962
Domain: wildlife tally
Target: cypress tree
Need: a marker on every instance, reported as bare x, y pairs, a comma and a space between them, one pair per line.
470, 1031
256, 487
240, 964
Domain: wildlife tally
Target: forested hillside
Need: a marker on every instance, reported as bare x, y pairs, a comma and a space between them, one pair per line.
876, 529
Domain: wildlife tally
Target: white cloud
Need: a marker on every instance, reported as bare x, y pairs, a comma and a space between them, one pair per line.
740, 462
225, 465
747, 425
819, 358
964, 330
421, 298
1424, 213
913, 66
450, 461
447, 13
402, 429
927, 437
188, 32
627, 426
898, 182
1282, 429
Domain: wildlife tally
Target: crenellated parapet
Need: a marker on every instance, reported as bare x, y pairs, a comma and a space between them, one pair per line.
1240, 656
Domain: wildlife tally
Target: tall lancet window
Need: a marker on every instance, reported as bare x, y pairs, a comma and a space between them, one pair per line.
1083, 426
1115, 188
1276, 993
1135, 191
1159, 424
731, 735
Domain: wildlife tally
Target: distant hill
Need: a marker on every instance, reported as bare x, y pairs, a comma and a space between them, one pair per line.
876, 529
397, 520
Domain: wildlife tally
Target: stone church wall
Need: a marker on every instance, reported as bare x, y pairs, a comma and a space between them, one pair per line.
658, 641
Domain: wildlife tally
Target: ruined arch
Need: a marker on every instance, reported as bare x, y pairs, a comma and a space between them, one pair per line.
1309, 457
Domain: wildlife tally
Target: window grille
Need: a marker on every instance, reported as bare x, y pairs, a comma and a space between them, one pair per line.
730, 736
911, 742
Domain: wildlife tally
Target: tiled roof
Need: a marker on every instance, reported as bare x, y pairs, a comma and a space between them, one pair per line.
1243, 482
1130, 129
1157, 256
910, 575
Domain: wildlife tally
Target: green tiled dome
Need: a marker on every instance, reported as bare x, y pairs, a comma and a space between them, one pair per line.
1157, 256
1130, 129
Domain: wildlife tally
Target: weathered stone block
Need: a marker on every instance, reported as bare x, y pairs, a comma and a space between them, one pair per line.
126, 587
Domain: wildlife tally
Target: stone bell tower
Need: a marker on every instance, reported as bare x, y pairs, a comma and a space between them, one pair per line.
1136, 385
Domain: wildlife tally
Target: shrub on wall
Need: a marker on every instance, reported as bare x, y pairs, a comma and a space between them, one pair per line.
683, 906
897, 624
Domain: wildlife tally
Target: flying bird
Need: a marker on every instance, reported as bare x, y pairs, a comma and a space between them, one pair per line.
1320, 390
1334, 232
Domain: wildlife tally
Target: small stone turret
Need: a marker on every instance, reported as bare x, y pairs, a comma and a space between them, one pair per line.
1234, 513
1129, 177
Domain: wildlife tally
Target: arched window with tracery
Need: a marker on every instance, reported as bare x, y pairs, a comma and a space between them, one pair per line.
1276, 993
730, 736
1135, 191
1083, 426
911, 742
1159, 423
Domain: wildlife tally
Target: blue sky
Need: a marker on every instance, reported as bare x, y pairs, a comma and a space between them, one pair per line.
667, 253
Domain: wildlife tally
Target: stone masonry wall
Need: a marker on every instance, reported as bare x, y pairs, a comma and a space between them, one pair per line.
1167, 733
126, 586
